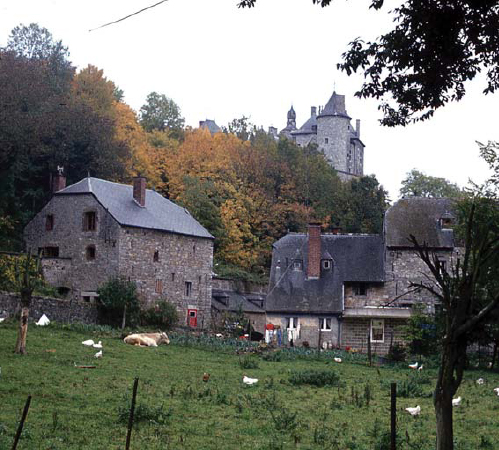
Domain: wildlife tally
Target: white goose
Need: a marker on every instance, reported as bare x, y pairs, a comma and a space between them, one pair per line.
249, 381
98, 345
456, 401
413, 366
414, 411
98, 354
88, 342
338, 360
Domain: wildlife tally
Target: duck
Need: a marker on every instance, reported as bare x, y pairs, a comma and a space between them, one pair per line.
249, 381
413, 366
414, 411
420, 368
338, 360
496, 390
98, 345
88, 343
456, 401
480, 381
98, 354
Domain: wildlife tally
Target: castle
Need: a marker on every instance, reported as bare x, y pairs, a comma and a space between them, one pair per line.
332, 132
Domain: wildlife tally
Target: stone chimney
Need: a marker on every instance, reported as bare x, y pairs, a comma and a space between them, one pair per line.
313, 112
139, 190
314, 251
58, 180
357, 127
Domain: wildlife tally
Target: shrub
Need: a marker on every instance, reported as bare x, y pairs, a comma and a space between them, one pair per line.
143, 413
163, 315
315, 378
118, 302
396, 353
247, 362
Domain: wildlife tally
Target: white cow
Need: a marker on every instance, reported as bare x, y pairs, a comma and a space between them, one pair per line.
147, 339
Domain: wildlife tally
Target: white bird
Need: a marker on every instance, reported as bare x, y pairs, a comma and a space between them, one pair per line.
338, 360
496, 390
98, 345
219, 335
44, 320
420, 367
2, 319
480, 381
98, 354
413, 366
456, 401
414, 411
89, 343
250, 381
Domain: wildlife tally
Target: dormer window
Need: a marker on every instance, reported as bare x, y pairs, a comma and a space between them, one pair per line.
89, 221
327, 264
446, 223
49, 222
298, 265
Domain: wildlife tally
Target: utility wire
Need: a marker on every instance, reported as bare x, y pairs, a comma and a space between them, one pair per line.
129, 15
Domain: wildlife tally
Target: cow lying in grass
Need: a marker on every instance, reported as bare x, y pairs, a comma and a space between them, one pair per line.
147, 339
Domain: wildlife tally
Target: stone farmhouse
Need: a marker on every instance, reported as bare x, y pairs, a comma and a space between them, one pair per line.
95, 229
337, 289
334, 135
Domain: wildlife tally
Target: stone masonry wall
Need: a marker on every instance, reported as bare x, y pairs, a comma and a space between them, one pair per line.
336, 131
179, 260
74, 270
55, 309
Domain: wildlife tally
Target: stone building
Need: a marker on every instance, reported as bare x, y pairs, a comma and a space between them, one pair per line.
95, 229
334, 135
337, 289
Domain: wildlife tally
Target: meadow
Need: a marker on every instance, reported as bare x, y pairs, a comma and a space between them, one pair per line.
302, 399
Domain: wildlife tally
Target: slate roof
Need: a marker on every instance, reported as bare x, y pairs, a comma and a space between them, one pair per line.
420, 217
335, 107
235, 301
159, 213
306, 128
355, 258
210, 125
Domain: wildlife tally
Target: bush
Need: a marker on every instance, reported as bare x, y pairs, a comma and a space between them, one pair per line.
247, 362
143, 413
118, 302
163, 315
397, 353
315, 378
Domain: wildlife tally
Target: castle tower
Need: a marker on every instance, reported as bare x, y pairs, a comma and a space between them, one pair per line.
337, 139
291, 125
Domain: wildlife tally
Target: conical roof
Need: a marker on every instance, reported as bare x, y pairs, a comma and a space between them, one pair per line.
335, 107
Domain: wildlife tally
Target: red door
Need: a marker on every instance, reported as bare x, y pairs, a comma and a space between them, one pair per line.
192, 317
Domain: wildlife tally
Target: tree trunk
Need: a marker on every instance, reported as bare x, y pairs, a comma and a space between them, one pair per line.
123, 322
22, 332
494, 355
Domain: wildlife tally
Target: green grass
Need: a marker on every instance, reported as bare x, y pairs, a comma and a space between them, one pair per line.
76, 408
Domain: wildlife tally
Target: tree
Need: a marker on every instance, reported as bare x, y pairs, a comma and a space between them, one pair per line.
469, 294
426, 59
27, 278
418, 184
160, 113
118, 297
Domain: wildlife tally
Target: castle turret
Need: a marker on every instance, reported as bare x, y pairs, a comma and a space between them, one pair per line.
291, 124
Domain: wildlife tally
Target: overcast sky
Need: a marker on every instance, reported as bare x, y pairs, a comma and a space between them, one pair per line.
220, 62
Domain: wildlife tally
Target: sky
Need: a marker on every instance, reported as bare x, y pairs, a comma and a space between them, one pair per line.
220, 62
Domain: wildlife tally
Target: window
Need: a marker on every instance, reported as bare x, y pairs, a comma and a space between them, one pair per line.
89, 221
327, 264
173, 276
377, 330
155, 258
188, 288
90, 252
360, 289
159, 286
49, 222
291, 323
446, 223
326, 141
325, 323
297, 264
314, 128
49, 252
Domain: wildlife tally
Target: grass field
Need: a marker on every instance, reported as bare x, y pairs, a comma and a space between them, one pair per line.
75, 408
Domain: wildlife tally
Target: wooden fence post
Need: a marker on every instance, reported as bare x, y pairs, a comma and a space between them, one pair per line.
132, 409
369, 355
393, 411
21, 424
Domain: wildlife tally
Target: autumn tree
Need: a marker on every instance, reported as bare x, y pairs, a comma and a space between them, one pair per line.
424, 62
418, 184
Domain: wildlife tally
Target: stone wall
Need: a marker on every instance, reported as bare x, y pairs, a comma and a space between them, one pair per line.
239, 286
162, 263
337, 132
64, 311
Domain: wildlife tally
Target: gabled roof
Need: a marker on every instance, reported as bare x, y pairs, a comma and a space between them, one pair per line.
306, 128
355, 258
158, 214
420, 217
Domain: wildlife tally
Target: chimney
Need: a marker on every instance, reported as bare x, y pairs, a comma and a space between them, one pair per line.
139, 190
313, 113
314, 251
58, 181
357, 127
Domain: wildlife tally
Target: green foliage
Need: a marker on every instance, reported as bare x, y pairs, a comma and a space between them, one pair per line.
317, 378
417, 184
397, 353
248, 362
163, 315
153, 415
118, 301
414, 385
160, 113
421, 332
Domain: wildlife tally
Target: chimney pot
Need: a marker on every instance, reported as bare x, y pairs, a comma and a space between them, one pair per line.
357, 127
314, 251
314, 111
139, 190
58, 182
